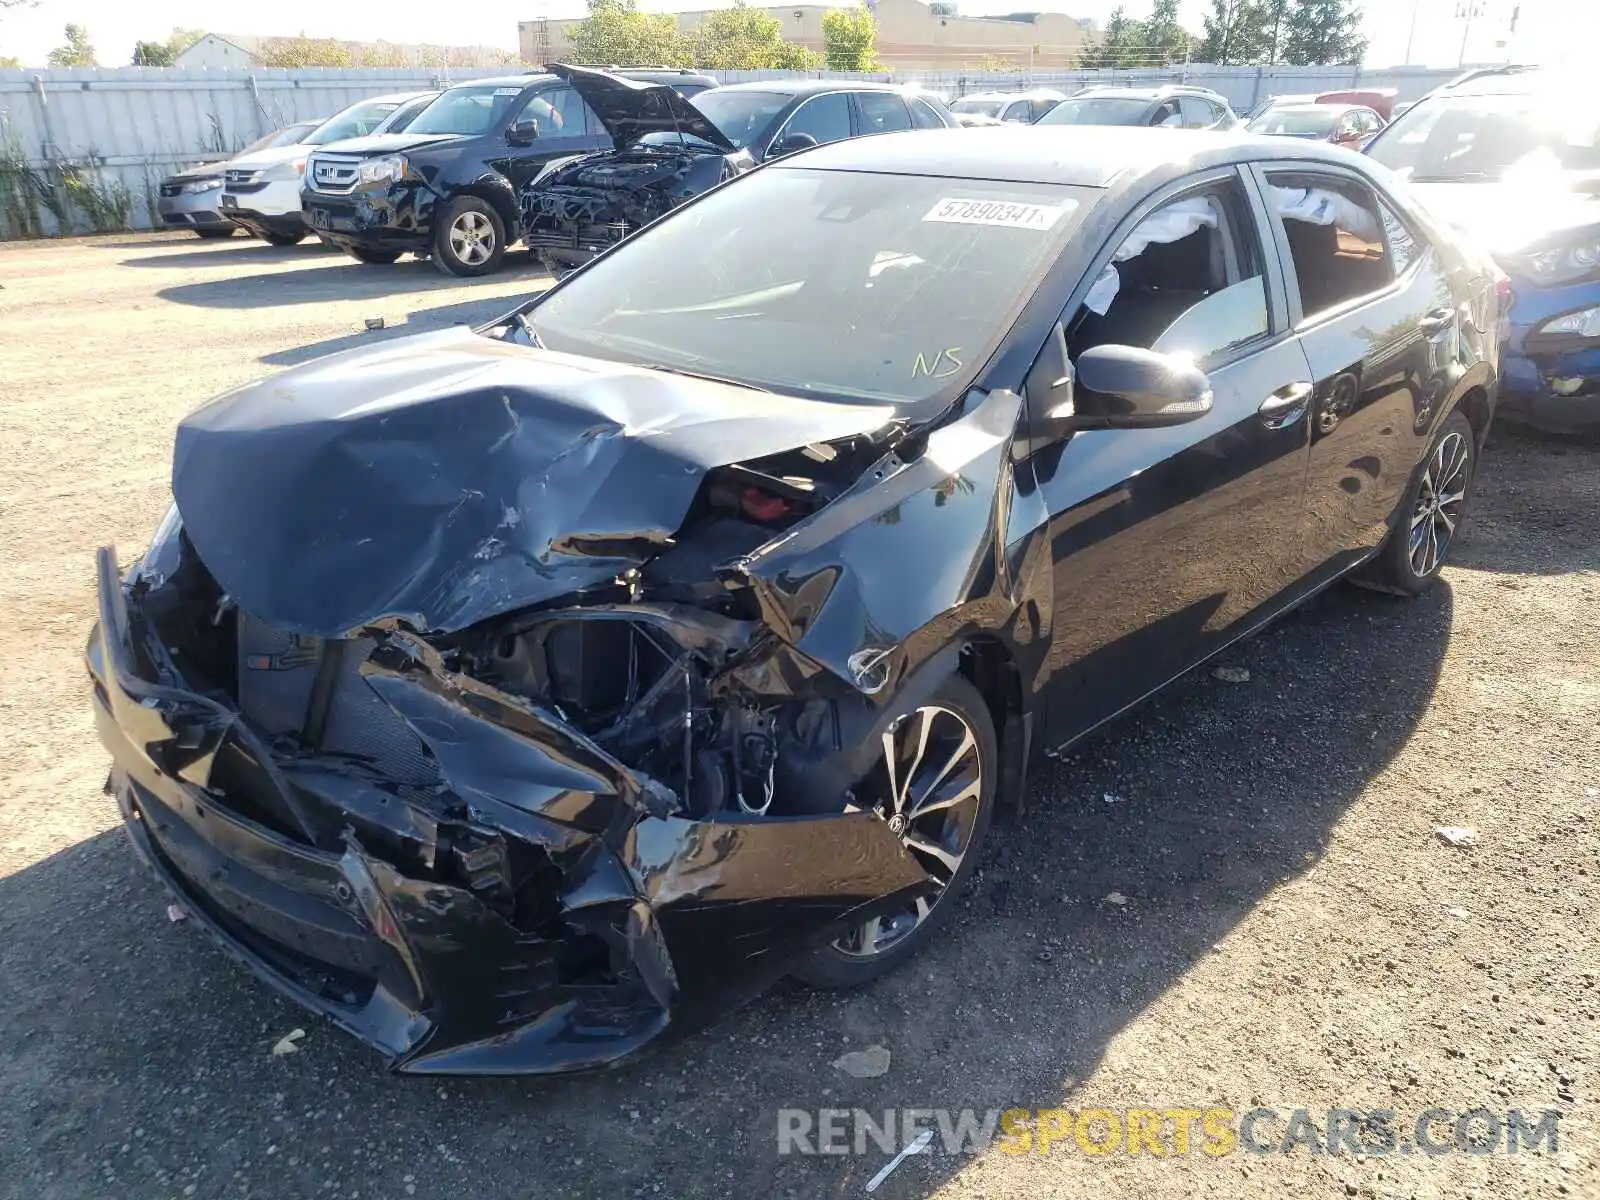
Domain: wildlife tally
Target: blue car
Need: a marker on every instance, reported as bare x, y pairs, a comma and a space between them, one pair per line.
1512, 159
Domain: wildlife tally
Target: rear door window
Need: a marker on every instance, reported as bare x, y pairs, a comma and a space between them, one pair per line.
1335, 236
923, 114
561, 113
882, 112
1197, 113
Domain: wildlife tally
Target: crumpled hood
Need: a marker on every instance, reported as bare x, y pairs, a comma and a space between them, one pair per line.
629, 108
1509, 216
447, 478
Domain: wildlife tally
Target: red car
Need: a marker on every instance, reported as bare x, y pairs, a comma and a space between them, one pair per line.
1342, 124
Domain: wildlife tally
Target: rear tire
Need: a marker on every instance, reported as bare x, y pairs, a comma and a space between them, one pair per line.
374, 258
1430, 516
282, 239
469, 238
213, 234
961, 758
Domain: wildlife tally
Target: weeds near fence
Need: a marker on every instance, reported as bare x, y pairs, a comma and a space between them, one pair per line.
107, 203
19, 188
66, 188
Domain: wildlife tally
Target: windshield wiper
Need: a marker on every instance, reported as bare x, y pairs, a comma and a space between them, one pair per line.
685, 371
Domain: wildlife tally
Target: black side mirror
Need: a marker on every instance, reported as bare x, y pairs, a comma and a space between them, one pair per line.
523, 132
1125, 387
791, 143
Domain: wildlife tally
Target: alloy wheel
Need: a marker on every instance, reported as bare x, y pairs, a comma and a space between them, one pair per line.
928, 788
1439, 504
472, 238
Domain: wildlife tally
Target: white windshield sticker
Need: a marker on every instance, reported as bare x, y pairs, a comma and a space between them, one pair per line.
958, 210
507, 91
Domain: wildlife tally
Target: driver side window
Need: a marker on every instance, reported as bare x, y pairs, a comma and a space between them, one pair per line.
825, 117
560, 112
1186, 280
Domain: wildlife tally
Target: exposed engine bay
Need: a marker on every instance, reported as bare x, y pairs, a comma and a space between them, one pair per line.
585, 206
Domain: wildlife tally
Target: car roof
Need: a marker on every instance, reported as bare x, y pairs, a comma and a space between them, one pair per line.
1510, 81
808, 87
1335, 106
1150, 93
1075, 155
1029, 94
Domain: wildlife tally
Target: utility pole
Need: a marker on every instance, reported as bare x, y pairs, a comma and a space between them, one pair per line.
1466, 12
1412, 36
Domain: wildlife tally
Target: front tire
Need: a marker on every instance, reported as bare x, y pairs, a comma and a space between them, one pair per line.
374, 258
1430, 516
469, 239
935, 786
213, 234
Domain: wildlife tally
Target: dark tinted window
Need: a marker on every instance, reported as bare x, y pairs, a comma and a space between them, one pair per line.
826, 118
1168, 114
560, 113
1198, 113
1336, 239
1403, 244
1040, 107
742, 116
923, 115
882, 112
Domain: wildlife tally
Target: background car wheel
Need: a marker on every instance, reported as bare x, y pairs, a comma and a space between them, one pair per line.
282, 239
376, 258
210, 234
470, 238
1432, 512
935, 786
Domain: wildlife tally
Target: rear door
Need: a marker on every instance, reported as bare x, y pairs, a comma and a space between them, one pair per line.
1167, 543
1371, 302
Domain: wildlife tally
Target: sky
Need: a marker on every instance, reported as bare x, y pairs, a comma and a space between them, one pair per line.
1552, 31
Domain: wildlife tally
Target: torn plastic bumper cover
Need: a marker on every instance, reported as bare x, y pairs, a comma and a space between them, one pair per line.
632, 920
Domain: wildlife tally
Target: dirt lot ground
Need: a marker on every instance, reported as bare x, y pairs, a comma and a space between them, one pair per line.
1292, 932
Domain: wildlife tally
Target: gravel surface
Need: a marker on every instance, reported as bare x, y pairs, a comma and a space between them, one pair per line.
1287, 929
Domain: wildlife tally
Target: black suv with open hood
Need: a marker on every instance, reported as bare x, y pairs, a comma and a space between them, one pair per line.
447, 188
667, 149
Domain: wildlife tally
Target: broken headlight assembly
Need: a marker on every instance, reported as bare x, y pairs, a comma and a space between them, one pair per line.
390, 169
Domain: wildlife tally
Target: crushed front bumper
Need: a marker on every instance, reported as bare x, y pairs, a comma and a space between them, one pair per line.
621, 922
366, 220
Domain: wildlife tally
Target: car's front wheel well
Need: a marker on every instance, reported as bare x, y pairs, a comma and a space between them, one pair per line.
988, 666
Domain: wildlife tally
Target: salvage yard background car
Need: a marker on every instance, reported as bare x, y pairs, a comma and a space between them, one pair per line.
1173, 106
448, 189
667, 149
1022, 108
261, 191
515, 696
189, 198
1349, 125
1512, 159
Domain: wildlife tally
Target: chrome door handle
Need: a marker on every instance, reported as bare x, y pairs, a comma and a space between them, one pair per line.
1438, 319
1286, 405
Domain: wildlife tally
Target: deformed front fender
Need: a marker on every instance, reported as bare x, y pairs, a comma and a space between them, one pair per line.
905, 562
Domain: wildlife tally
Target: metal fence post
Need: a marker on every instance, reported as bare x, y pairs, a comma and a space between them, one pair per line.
51, 152
263, 127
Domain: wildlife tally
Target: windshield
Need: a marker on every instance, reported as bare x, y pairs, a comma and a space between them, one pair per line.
1483, 137
400, 119
1296, 120
356, 121
981, 108
1097, 110
289, 135
742, 116
881, 287
467, 111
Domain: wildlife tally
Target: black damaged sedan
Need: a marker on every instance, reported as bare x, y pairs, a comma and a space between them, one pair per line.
517, 696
